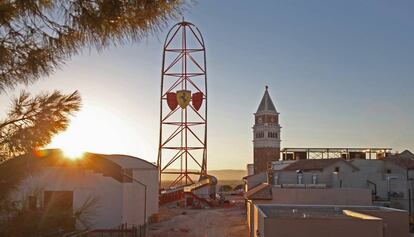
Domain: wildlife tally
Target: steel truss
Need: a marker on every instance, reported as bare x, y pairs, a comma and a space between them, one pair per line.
182, 151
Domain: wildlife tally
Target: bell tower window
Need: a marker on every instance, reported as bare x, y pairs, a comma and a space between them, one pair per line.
260, 134
272, 134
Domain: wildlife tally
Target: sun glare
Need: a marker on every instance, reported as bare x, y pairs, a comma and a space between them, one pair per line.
73, 153
99, 129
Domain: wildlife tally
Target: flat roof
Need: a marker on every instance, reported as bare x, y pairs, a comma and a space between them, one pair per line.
303, 212
334, 149
319, 211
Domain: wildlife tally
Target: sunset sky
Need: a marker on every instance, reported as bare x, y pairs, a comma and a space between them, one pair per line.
341, 73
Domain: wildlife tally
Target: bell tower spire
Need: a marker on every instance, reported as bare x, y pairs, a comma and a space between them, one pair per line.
266, 134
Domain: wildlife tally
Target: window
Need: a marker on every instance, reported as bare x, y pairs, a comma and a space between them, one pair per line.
260, 134
272, 134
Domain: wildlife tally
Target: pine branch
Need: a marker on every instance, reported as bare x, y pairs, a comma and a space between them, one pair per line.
33, 121
38, 36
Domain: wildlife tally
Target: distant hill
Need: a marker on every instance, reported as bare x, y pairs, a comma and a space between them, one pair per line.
228, 174
221, 175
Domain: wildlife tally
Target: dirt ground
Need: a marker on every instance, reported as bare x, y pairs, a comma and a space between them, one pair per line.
213, 222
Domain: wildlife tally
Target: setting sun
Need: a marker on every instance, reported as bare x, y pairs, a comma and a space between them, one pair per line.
98, 129
73, 153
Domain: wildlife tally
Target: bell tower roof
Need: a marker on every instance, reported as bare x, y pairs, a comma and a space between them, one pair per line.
266, 105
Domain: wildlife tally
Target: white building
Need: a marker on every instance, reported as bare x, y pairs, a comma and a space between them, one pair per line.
121, 189
389, 180
272, 220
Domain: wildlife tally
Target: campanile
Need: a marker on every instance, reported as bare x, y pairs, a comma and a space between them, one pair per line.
266, 134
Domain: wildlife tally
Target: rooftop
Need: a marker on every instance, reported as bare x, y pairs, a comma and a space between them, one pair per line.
260, 192
14, 170
407, 163
320, 211
314, 164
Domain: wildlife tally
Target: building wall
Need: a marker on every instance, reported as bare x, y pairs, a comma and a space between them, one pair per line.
399, 185
344, 168
147, 174
250, 169
250, 213
387, 222
327, 176
118, 202
321, 227
258, 225
297, 196
85, 185
329, 196
150, 178
396, 222
254, 180
342, 196
133, 204
291, 177
376, 171
371, 174
263, 156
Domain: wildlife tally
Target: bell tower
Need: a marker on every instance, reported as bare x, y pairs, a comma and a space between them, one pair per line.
266, 134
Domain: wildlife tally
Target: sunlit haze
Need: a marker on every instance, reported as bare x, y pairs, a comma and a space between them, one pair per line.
73, 153
339, 72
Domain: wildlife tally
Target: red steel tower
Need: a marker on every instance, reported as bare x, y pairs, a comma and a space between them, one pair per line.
182, 152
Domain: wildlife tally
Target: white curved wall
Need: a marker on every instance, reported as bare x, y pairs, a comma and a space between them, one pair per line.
118, 203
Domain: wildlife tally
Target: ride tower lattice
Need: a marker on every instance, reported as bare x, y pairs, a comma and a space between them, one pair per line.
182, 151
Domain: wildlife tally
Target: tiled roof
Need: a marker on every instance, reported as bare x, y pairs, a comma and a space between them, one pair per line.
406, 154
260, 192
315, 164
404, 159
403, 162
